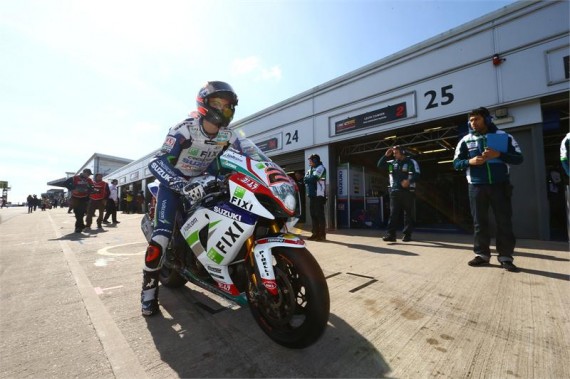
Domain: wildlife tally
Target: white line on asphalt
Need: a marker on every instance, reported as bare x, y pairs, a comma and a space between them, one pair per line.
100, 291
105, 250
123, 360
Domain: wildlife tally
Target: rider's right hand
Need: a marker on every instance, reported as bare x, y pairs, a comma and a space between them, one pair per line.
178, 184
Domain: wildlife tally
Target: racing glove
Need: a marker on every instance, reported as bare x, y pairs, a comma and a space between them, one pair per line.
177, 184
194, 191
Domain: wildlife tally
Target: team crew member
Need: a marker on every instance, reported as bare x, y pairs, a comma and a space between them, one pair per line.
316, 182
487, 172
80, 186
403, 172
564, 149
190, 147
97, 201
112, 203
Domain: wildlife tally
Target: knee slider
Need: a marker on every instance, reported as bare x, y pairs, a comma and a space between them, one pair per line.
153, 256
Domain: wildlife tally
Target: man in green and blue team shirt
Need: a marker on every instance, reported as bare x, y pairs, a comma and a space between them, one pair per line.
316, 183
487, 172
564, 148
403, 171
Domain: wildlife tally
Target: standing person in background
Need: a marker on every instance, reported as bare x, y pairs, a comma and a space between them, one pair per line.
80, 186
112, 203
139, 202
30, 201
564, 149
487, 172
36, 202
129, 199
97, 201
316, 182
123, 202
403, 172
302, 194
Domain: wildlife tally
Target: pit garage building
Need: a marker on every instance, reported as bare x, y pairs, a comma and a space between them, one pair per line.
514, 61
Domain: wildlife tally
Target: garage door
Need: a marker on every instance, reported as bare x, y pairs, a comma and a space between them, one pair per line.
291, 161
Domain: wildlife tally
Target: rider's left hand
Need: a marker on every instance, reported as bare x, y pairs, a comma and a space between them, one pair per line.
194, 191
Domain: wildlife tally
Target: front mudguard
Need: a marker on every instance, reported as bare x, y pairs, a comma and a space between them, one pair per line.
262, 254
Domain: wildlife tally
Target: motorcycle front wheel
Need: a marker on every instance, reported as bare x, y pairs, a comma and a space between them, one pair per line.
297, 316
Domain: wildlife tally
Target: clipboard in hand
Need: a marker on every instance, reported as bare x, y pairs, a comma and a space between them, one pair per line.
498, 141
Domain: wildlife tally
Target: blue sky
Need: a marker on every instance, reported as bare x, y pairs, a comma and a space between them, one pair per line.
112, 76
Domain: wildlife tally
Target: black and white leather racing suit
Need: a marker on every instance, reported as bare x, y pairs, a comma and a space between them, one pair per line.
187, 153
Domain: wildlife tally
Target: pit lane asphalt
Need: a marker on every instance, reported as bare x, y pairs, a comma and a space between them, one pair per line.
70, 308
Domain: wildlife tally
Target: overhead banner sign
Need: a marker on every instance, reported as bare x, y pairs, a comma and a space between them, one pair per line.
269, 144
373, 118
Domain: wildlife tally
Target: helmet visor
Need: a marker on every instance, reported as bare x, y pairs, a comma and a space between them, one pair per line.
224, 106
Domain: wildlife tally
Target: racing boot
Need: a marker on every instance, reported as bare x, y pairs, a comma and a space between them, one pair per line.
149, 293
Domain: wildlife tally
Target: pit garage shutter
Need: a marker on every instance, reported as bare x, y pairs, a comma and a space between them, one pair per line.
291, 161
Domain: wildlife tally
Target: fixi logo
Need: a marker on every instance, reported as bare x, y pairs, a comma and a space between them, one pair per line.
215, 256
239, 192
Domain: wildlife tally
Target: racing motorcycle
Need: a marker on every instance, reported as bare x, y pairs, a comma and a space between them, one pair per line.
236, 242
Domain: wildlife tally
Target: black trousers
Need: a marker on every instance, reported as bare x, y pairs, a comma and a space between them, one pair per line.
401, 207
317, 211
79, 205
111, 211
497, 197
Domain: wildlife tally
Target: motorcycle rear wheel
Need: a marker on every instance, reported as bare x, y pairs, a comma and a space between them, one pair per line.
298, 315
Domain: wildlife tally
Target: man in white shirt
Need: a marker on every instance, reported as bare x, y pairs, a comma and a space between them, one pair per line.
112, 203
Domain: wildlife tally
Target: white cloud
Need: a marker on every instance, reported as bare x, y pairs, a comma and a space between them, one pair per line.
147, 127
242, 66
137, 43
253, 66
271, 73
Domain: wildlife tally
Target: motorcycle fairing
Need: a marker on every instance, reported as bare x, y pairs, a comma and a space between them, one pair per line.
243, 198
222, 277
253, 173
227, 232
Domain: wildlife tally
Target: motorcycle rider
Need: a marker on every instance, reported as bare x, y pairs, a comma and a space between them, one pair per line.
188, 150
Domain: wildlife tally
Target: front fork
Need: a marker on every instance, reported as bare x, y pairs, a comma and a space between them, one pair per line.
260, 257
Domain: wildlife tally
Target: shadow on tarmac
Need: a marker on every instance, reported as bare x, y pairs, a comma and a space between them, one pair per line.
376, 249
72, 237
201, 340
452, 246
553, 275
87, 233
540, 256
